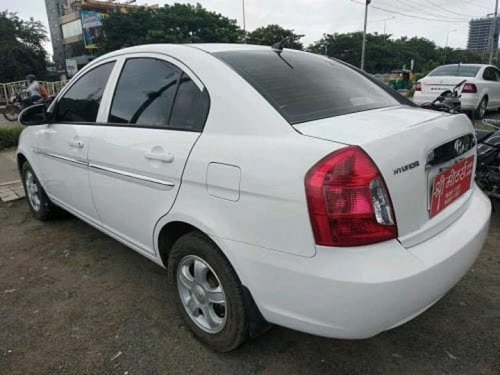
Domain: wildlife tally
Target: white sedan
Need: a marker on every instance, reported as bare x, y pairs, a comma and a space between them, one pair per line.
480, 92
276, 186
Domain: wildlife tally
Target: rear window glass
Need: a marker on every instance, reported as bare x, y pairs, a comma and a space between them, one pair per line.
305, 87
455, 71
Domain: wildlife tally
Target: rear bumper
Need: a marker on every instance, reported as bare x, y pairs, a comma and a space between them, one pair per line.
358, 292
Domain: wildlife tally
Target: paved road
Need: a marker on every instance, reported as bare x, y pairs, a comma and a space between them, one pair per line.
8, 167
72, 299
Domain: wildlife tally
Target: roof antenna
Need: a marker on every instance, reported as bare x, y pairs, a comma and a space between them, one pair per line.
278, 46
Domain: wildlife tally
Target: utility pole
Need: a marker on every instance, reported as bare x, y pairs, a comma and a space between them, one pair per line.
493, 33
363, 46
244, 22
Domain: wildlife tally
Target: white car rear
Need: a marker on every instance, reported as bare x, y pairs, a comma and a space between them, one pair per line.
480, 92
276, 186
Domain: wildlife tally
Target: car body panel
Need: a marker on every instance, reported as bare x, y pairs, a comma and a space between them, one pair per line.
394, 138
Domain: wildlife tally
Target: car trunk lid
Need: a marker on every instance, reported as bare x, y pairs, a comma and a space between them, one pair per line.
436, 85
401, 141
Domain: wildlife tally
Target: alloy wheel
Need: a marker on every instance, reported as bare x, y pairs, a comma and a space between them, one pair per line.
32, 190
202, 294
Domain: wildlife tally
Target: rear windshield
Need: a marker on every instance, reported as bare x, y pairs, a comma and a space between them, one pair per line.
305, 87
455, 71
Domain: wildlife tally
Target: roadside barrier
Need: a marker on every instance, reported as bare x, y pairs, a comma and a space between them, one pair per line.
8, 89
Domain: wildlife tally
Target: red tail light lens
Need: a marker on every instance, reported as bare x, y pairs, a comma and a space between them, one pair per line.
469, 88
418, 86
348, 201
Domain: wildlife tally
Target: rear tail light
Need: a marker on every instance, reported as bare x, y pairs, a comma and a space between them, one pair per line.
349, 204
469, 88
418, 86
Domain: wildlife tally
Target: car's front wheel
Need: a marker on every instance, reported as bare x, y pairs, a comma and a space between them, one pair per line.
38, 201
208, 293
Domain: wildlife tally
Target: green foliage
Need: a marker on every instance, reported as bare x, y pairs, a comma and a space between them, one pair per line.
21, 50
271, 34
178, 23
9, 136
384, 54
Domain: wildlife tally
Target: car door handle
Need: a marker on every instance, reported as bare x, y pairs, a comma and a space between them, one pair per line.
77, 144
162, 156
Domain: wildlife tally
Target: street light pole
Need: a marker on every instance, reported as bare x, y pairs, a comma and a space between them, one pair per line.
494, 25
446, 45
363, 46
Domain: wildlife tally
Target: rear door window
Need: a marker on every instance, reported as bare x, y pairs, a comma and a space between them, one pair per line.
305, 87
145, 93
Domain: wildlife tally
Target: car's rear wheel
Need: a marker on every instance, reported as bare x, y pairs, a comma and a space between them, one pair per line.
481, 109
208, 293
38, 201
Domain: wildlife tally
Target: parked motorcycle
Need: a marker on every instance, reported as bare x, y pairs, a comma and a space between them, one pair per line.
15, 106
488, 161
447, 101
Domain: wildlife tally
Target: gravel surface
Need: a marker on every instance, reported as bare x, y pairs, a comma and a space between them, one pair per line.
73, 300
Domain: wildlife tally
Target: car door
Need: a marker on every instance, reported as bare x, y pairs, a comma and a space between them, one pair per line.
64, 143
497, 87
493, 85
136, 161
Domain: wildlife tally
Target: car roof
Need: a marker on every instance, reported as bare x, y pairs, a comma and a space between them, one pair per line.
207, 47
475, 65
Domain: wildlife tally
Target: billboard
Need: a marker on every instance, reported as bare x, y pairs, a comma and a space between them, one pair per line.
91, 26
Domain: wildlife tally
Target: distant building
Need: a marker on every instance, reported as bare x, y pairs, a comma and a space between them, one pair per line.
74, 26
480, 32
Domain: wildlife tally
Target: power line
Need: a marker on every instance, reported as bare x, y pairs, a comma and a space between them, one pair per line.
409, 7
474, 4
447, 10
410, 16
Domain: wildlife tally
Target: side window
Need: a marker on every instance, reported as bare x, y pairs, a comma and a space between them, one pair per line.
191, 106
489, 74
144, 93
81, 102
497, 75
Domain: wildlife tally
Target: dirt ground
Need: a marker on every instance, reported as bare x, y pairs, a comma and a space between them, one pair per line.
73, 300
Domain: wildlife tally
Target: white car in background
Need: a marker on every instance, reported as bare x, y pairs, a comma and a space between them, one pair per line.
274, 185
480, 92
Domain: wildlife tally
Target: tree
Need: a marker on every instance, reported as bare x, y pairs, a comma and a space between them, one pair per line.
178, 23
21, 50
271, 34
385, 54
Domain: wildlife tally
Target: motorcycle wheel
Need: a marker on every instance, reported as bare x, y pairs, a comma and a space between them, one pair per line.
11, 112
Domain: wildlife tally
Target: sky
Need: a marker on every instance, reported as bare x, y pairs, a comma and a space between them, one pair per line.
314, 17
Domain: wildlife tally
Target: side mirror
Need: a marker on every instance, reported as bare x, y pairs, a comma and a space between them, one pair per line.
34, 115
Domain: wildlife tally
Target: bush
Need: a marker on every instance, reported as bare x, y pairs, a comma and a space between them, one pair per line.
9, 136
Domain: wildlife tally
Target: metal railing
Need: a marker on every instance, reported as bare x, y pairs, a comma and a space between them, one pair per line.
10, 88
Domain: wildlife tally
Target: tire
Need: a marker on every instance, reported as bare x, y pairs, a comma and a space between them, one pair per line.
481, 109
230, 328
39, 203
11, 112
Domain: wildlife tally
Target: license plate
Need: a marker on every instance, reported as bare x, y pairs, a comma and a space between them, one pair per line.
451, 184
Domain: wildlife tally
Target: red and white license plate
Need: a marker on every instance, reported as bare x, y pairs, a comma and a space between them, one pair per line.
451, 184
